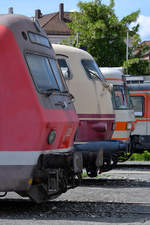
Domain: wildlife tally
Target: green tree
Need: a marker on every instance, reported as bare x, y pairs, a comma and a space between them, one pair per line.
136, 65
101, 32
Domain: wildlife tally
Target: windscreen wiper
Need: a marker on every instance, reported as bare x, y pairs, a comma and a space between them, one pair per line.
105, 83
49, 91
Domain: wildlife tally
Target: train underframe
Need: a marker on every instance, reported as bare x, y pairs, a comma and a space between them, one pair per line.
140, 143
55, 173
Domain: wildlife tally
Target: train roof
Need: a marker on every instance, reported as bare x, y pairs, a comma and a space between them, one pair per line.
113, 75
10, 20
139, 87
69, 51
114, 72
21, 26
136, 79
17, 23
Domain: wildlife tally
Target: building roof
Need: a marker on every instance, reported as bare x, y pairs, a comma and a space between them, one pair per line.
146, 43
55, 23
146, 53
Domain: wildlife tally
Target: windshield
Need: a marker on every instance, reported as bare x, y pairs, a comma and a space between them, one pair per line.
92, 69
45, 73
138, 105
121, 98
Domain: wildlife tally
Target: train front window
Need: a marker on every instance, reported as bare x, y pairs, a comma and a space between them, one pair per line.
92, 69
121, 98
42, 72
138, 105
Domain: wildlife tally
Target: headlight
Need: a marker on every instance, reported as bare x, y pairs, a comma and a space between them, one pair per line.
51, 137
129, 126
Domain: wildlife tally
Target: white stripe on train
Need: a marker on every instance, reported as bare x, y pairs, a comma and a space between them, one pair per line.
25, 158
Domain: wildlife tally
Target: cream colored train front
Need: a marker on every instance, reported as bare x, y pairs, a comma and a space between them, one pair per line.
93, 103
121, 102
92, 95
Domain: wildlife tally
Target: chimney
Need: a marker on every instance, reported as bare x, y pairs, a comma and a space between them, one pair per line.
61, 11
10, 10
38, 13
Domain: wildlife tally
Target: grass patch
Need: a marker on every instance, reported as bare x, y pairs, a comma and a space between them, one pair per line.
84, 174
145, 156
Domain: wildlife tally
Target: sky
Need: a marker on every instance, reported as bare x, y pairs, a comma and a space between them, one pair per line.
122, 8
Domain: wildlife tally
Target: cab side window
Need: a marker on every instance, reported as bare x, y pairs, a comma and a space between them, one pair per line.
64, 68
138, 105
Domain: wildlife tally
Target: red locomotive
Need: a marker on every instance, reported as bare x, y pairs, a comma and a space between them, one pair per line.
38, 120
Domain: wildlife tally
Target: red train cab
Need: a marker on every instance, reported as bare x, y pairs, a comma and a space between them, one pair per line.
38, 120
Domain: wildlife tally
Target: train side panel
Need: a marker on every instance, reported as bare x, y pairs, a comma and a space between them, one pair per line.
140, 95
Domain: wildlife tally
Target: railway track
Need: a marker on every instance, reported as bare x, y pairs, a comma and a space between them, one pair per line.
124, 175
105, 199
114, 182
134, 164
24, 209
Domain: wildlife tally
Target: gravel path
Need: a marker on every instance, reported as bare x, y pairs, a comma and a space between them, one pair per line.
118, 197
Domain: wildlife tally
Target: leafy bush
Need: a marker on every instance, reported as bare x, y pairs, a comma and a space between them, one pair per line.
137, 66
145, 156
